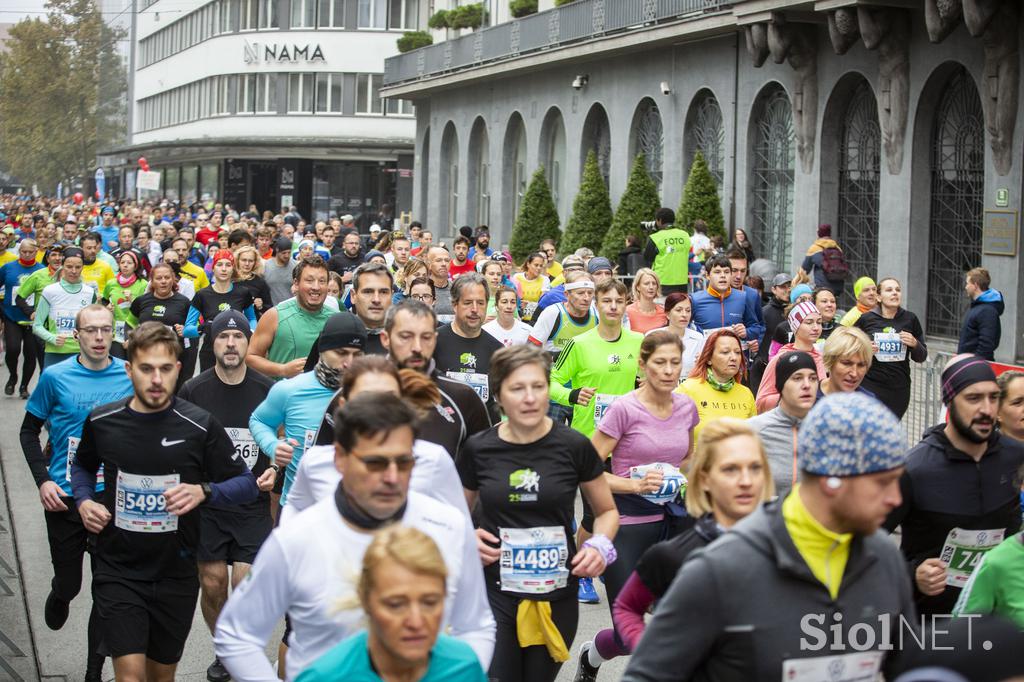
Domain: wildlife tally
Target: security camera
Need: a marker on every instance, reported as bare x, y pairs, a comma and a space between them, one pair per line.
579, 81
665, 89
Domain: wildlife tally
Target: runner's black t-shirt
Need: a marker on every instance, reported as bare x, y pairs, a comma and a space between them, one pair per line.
529, 486
209, 302
143, 452
232, 405
170, 311
468, 361
257, 288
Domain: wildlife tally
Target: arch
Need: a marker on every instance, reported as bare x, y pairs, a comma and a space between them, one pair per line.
449, 176
479, 176
957, 182
515, 174
597, 136
425, 171
773, 160
647, 136
851, 162
705, 132
552, 155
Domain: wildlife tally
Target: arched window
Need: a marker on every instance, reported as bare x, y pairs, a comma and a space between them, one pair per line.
597, 136
958, 190
515, 171
649, 138
480, 174
424, 172
772, 183
553, 154
450, 177
705, 133
859, 157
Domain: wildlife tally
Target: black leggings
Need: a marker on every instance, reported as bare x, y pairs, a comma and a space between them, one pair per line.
18, 337
511, 662
188, 365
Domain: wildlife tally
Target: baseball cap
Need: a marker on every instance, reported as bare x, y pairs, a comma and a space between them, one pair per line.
342, 330
782, 279
572, 262
282, 244
230, 320
375, 228
598, 263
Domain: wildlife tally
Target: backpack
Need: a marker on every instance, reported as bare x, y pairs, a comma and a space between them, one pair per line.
834, 265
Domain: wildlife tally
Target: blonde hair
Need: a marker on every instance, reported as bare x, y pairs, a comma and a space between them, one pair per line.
257, 268
698, 500
640, 274
408, 547
408, 273
846, 341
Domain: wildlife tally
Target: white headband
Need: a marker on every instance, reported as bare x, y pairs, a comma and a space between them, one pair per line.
580, 284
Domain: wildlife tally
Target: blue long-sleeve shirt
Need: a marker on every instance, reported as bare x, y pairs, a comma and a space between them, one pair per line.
191, 330
736, 307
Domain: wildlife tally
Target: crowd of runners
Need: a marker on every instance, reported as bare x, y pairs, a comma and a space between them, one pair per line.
422, 456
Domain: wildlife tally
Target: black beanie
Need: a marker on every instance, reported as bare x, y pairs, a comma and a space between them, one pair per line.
790, 363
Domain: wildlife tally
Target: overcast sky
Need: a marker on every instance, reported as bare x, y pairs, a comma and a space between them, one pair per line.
12, 11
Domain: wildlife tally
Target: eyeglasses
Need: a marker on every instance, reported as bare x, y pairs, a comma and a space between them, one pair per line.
378, 463
422, 297
96, 331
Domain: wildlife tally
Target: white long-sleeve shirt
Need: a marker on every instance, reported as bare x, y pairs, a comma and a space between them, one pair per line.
434, 475
310, 570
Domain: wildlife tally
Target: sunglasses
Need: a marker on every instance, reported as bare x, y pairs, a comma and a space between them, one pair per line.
378, 463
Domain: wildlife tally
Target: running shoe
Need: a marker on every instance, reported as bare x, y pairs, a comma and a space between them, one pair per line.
9, 388
217, 672
56, 611
587, 594
584, 671
23, 393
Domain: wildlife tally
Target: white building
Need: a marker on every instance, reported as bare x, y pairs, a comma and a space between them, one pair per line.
272, 102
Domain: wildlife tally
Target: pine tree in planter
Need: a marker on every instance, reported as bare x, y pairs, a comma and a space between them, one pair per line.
701, 200
537, 220
639, 203
591, 210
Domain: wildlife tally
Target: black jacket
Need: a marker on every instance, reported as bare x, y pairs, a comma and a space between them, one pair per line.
774, 314
981, 329
944, 488
745, 603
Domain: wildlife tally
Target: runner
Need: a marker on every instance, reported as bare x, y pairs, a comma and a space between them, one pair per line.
531, 283
62, 400
210, 301
434, 474
165, 304
809, 570
679, 311
410, 337
32, 287
899, 338
524, 474
644, 313
118, 295
372, 285
961, 489
715, 384
1011, 405
463, 351
18, 337
728, 480
650, 432
438, 259
176, 458
401, 566
277, 271
308, 567
285, 334
866, 292
805, 322
95, 269
508, 329
230, 537
298, 404
560, 322
249, 267
58, 306
847, 356
189, 270
721, 305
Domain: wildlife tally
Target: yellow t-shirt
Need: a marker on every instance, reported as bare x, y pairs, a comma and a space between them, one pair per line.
825, 552
195, 273
7, 257
554, 270
97, 274
713, 404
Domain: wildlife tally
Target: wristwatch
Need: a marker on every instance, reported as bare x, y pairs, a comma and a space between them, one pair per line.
207, 492
275, 467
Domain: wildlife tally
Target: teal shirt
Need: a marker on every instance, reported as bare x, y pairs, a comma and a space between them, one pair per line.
451, 660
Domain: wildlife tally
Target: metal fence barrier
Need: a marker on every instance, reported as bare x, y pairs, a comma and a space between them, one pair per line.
926, 408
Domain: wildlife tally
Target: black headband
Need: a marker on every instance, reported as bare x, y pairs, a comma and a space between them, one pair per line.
972, 369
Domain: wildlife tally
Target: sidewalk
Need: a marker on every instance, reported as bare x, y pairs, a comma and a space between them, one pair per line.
17, 650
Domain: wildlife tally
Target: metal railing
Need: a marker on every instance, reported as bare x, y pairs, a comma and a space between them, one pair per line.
570, 23
926, 408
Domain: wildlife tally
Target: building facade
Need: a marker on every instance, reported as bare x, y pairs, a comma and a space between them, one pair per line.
270, 102
896, 121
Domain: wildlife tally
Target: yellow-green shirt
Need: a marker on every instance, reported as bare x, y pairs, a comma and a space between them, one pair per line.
713, 404
825, 552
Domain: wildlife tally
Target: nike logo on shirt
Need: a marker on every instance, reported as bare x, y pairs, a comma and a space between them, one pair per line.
168, 443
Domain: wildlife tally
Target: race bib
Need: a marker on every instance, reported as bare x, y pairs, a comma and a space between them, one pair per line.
862, 666
64, 321
533, 560
119, 331
963, 551
475, 380
602, 401
890, 348
140, 506
819, 346
529, 308
72, 451
245, 446
672, 486
309, 439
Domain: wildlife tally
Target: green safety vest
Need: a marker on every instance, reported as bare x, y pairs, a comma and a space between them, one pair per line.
673, 260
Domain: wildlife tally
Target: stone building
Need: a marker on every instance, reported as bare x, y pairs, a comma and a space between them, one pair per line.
896, 121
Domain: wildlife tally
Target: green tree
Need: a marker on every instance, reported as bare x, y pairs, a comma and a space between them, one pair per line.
537, 220
591, 210
639, 203
701, 200
62, 93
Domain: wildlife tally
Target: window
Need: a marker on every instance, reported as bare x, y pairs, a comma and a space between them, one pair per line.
399, 107
268, 13
300, 93
328, 93
368, 94
331, 14
303, 13
266, 100
222, 85
227, 9
247, 94
403, 14
249, 14
372, 13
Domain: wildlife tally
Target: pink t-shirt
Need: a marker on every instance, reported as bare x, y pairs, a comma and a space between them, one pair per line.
645, 439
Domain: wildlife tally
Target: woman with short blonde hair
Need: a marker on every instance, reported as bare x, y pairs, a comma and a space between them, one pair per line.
643, 313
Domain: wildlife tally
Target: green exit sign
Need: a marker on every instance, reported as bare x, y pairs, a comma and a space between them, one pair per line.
1002, 197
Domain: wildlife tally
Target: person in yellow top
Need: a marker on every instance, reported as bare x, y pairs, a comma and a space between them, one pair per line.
552, 268
6, 238
94, 271
531, 284
715, 384
190, 270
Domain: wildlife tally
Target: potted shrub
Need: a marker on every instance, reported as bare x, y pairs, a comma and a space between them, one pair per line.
522, 8
439, 19
412, 40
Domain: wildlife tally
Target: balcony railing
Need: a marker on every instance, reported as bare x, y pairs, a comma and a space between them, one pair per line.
571, 23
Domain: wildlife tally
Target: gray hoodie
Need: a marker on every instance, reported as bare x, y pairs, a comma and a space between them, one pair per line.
744, 604
777, 429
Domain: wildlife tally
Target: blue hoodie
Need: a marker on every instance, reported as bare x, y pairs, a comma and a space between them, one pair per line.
981, 329
711, 312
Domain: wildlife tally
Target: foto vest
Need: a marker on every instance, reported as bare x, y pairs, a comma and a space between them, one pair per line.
673, 260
